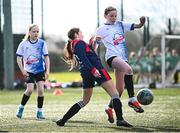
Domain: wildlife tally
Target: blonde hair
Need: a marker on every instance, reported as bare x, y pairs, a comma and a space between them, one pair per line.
26, 37
69, 57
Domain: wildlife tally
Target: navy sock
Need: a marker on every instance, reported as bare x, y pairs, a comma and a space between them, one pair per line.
129, 85
24, 100
40, 101
118, 108
71, 112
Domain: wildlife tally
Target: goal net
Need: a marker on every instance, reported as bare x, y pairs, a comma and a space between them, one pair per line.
170, 60
157, 64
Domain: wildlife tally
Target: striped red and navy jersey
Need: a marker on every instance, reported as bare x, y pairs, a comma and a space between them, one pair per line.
87, 58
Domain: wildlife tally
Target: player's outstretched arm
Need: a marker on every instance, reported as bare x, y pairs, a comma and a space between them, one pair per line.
142, 21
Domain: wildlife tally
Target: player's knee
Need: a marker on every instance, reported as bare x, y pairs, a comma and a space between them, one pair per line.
120, 91
40, 93
86, 102
115, 96
29, 91
130, 71
82, 104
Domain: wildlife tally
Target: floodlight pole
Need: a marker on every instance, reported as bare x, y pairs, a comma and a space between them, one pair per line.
0, 16
163, 60
42, 17
8, 46
98, 23
97, 13
122, 11
32, 12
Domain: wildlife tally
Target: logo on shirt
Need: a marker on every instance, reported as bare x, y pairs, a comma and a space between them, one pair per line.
118, 38
32, 59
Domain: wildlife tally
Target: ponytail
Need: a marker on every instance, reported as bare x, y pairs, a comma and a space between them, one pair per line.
68, 54
69, 58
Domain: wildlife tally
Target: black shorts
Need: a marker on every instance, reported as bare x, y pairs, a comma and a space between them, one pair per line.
89, 80
32, 78
109, 61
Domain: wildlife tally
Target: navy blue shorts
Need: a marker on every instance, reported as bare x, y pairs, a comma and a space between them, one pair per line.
32, 78
89, 80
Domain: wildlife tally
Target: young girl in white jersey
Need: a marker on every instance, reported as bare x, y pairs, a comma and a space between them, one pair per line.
33, 61
112, 34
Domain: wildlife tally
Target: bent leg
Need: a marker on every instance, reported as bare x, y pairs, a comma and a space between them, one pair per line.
40, 99
87, 93
112, 91
119, 76
40, 91
121, 67
24, 100
27, 93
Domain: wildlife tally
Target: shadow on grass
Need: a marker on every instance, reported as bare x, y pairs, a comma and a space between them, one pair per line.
34, 118
148, 129
78, 122
3, 131
82, 122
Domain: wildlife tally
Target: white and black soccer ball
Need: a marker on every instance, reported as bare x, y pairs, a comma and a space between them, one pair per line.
145, 96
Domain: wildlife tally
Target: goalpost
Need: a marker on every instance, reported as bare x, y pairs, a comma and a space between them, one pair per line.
163, 66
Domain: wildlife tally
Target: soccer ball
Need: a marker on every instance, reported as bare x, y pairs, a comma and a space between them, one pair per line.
145, 96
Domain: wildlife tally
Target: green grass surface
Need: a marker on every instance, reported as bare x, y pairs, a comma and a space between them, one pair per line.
69, 76
162, 115
65, 76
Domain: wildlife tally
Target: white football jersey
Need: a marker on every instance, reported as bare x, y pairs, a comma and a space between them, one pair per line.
33, 55
113, 38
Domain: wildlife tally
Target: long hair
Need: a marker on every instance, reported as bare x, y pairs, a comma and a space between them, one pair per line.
26, 37
69, 57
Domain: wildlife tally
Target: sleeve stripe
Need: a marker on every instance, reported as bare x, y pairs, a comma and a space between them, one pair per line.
19, 55
132, 27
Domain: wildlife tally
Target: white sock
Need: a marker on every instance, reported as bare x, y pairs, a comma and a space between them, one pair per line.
40, 109
21, 106
132, 99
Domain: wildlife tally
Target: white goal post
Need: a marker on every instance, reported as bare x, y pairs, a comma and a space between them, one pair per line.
163, 67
